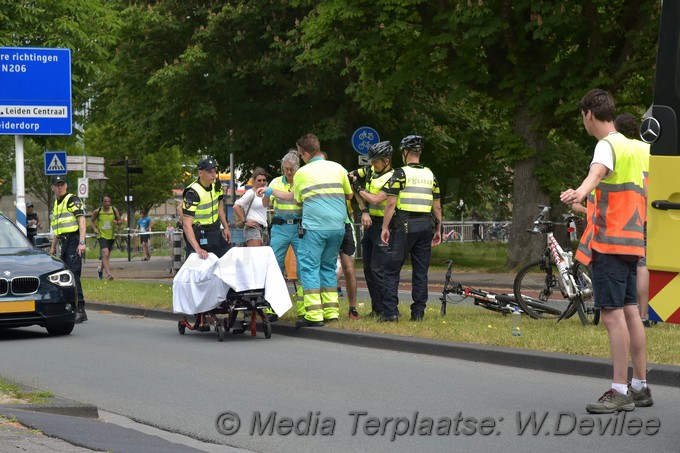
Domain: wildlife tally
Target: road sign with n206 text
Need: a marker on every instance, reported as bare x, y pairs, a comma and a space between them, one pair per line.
35, 91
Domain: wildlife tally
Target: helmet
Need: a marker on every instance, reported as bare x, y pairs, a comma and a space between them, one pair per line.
412, 143
379, 150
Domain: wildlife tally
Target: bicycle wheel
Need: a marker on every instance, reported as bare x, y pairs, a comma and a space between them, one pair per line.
586, 306
502, 236
537, 291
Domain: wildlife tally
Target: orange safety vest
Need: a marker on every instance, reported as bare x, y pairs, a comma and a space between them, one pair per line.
616, 214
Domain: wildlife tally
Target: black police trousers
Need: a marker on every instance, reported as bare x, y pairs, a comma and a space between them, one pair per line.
69, 255
215, 240
374, 254
412, 238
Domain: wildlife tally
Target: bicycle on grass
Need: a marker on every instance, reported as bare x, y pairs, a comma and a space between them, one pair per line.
542, 286
501, 303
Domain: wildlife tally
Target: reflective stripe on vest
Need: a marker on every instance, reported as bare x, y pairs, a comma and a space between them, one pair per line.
618, 220
417, 194
373, 186
583, 252
63, 220
324, 190
207, 210
285, 209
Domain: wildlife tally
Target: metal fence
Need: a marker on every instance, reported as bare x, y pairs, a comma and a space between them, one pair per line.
482, 230
452, 232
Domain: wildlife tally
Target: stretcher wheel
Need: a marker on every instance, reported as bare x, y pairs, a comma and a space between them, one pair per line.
181, 327
220, 332
267, 327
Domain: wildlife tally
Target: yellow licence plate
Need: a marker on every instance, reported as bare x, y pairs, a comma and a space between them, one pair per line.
17, 307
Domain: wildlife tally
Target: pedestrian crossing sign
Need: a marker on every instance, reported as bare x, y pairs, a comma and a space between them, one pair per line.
55, 163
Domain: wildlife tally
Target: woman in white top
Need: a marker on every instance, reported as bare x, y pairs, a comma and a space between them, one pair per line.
249, 208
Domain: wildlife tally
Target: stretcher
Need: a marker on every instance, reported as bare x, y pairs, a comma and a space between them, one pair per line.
230, 293
247, 305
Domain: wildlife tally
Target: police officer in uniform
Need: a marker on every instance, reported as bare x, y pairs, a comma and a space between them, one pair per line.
68, 225
371, 186
203, 213
412, 200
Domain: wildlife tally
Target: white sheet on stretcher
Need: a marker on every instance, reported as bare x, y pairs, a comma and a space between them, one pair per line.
201, 285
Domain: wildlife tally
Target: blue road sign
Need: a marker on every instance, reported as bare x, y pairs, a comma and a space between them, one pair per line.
35, 91
363, 138
55, 163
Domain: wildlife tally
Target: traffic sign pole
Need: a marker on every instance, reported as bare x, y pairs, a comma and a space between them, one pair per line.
21, 198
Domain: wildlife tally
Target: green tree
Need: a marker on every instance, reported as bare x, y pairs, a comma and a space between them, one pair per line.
500, 77
87, 27
491, 84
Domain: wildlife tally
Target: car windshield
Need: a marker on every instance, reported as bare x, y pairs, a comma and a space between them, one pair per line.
10, 235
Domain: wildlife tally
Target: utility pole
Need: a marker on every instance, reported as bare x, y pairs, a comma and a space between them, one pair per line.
130, 167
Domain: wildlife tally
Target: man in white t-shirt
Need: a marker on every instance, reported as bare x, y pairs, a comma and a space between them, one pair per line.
614, 242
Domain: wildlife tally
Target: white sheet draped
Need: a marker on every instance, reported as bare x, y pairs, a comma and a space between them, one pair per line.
202, 285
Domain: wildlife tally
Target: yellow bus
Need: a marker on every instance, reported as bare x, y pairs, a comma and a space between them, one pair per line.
660, 128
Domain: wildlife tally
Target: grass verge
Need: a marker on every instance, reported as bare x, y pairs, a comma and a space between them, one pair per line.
461, 324
14, 395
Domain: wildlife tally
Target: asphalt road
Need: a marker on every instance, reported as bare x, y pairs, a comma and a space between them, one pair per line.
340, 398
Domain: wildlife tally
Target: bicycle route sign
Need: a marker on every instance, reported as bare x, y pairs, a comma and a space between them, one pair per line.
35, 91
363, 138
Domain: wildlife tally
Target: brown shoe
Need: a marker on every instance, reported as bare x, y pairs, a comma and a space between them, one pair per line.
642, 397
612, 401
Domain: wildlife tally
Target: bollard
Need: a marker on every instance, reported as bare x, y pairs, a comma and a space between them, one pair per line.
176, 251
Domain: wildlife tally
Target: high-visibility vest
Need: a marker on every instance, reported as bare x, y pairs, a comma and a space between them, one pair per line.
63, 220
583, 252
207, 212
285, 209
322, 185
374, 183
616, 219
417, 194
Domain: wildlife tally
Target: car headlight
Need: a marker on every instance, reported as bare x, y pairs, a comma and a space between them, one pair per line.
62, 278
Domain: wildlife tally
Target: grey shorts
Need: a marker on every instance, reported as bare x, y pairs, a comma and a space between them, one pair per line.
252, 234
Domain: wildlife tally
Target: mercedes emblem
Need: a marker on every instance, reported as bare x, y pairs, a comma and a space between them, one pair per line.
650, 129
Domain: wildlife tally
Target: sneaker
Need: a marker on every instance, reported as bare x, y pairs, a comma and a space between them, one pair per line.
329, 320
642, 397
648, 323
354, 315
340, 292
110, 277
612, 401
100, 273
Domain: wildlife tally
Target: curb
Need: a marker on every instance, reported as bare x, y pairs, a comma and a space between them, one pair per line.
55, 405
658, 374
